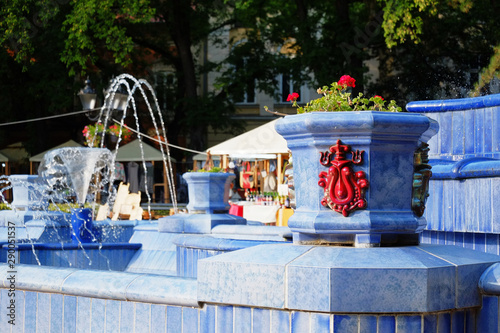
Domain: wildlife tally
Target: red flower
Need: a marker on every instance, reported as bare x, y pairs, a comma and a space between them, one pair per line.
292, 97
346, 81
377, 96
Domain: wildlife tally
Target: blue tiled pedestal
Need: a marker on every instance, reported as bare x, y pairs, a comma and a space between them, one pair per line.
208, 205
413, 279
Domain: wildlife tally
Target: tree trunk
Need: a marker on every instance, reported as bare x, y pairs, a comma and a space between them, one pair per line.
181, 34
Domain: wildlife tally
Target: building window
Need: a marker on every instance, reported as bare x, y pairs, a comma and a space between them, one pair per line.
248, 95
288, 86
245, 95
165, 83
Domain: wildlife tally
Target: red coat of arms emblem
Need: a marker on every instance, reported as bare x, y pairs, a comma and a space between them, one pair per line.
343, 188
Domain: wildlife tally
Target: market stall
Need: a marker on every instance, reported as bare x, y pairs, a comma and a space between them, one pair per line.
261, 150
17, 157
275, 215
129, 159
260, 156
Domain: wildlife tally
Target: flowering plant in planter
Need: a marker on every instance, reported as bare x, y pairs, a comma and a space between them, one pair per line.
338, 98
356, 176
93, 134
212, 169
126, 134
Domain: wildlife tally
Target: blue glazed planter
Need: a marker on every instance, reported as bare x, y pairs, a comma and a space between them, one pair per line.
383, 173
208, 191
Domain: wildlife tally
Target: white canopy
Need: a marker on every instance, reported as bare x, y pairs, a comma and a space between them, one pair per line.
39, 157
132, 152
203, 157
262, 142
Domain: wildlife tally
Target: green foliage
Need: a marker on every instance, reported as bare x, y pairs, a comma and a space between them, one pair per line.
89, 26
292, 38
454, 44
100, 22
488, 73
93, 134
66, 207
335, 100
4, 206
212, 169
160, 212
404, 19
299, 39
34, 81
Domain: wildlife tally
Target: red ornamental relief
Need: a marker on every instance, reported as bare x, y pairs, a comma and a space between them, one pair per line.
344, 188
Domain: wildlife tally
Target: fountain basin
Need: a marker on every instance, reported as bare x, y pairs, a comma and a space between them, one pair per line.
284, 287
102, 256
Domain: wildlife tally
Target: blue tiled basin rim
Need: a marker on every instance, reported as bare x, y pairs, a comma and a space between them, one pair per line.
218, 244
454, 104
475, 167
75, 246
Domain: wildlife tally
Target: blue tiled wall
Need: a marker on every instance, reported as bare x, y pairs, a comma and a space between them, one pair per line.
187, 260
465, 206
466, 133
463, 211
50, 312
488, 243
468, 127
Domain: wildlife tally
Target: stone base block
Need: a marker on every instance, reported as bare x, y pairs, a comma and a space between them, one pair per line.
411, 279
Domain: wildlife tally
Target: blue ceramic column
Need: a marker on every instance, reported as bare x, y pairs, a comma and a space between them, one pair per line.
353, 174
81, 222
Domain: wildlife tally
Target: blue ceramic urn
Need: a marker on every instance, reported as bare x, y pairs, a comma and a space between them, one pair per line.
208, 192
358, 176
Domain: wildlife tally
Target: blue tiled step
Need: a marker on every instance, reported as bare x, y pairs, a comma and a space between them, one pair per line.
192, 248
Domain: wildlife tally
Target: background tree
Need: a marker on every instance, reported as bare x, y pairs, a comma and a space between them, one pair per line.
442, 50
43, 90
309, 41
418, 49
102, 38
